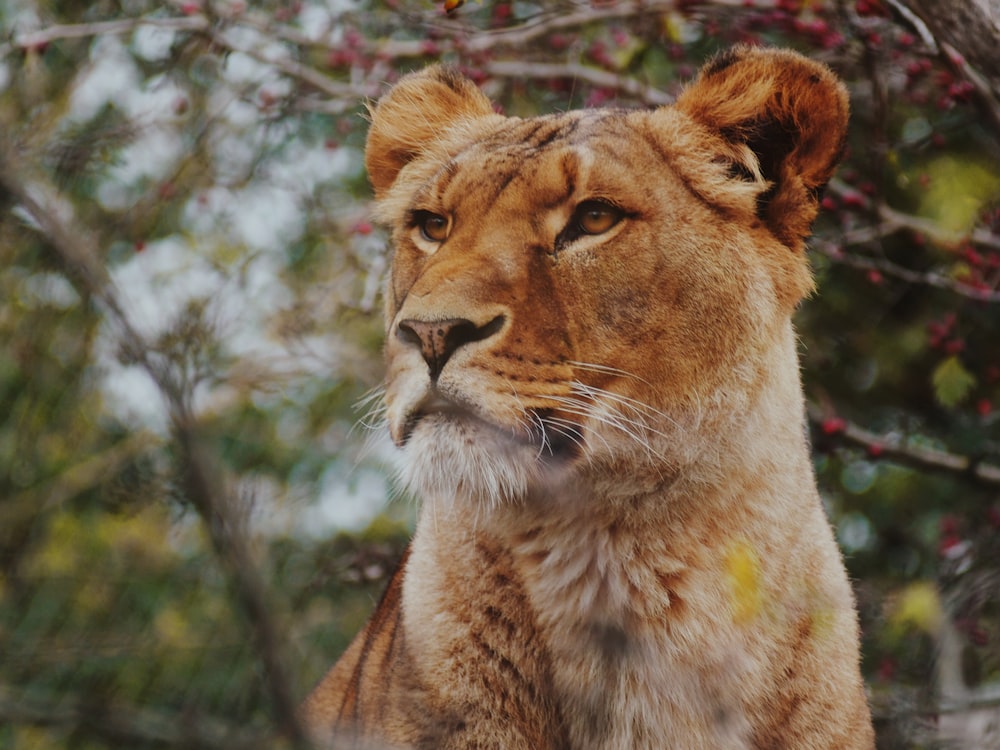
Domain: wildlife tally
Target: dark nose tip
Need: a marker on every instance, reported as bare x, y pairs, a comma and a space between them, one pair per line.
439, 339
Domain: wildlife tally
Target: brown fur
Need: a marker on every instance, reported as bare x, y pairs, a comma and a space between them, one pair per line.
621, 544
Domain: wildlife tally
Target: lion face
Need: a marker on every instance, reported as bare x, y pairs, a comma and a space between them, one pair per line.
592, 293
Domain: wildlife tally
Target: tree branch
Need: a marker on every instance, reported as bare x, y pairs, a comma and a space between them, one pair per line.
213, 499
125, 725
594, 76
30, 503
41, 37
835, 252
896, 447
971, 27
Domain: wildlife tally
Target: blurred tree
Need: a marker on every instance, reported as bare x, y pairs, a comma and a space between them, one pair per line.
189, 311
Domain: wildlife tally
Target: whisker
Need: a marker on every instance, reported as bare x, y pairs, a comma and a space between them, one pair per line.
635, 405
543, 436
571, 431
607, 370
616, 422
374, 408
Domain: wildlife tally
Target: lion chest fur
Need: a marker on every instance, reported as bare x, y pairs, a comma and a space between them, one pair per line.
592, 380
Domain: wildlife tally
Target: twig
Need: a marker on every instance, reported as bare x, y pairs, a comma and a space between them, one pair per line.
72, 481
594, 76
41, 37
835, 252
214, 500
123, 725
895, 447
897, 220
304, 73
984, 91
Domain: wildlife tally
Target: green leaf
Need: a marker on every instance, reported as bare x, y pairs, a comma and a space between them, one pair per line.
952, 382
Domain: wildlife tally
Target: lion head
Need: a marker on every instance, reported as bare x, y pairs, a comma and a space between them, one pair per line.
600, 297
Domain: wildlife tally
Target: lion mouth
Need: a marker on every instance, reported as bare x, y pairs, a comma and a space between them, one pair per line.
553, 439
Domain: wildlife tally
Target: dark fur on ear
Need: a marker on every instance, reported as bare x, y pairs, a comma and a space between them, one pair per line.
791, 112
414, 114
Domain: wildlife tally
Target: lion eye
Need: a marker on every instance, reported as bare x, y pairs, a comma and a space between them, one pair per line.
596, 217
433, 227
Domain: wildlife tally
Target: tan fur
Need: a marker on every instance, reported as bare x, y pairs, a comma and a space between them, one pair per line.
620, 544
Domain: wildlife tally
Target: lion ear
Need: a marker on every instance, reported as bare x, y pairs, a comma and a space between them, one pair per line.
413, 115
791, 112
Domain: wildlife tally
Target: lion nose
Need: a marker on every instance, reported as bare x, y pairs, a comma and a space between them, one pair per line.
439, 339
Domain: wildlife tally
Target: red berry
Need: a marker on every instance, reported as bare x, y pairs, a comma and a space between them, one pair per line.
833, 425
950, 544
886, 669
993, 516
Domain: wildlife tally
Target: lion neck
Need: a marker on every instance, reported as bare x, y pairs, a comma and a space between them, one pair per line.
621, 568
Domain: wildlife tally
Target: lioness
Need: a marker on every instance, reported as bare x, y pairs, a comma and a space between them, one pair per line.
592, 378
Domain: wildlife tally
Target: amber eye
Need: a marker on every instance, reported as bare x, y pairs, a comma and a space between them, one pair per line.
596, 217
433, 227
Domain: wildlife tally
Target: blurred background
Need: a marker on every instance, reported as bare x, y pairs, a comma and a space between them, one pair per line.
196, 515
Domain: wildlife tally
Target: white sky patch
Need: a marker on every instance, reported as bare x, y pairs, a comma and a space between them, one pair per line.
154, 101
315, 22
241, 67
307, 167
266, 216
153, 43
226, 105
153, 156
132, 396
349, 498
341, 6
244, 312
156, 284
47, 290
111, 78
231, 247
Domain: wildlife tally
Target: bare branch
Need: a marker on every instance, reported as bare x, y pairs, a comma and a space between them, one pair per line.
971, 27
124, 725
835, 252
891, 222
897, 220
41, 37
74, 480
896, 447
211, 496
593, 76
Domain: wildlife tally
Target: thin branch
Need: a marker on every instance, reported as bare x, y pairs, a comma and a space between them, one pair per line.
897, 220
593, 76
123, 725
892, 222
71, 482
895, 447
984, 91
917, 23
212, 497
835, 252
42, 37
297, 70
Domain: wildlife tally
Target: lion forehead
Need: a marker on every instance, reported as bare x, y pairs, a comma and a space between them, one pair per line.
539, 163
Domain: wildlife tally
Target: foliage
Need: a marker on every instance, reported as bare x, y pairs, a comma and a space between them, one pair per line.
189, 311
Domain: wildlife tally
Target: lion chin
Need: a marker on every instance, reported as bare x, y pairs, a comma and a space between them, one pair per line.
449, 452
